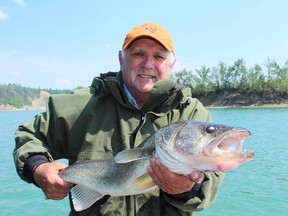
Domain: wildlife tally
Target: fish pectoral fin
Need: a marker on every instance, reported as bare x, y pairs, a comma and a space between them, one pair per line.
83, 197
129, 155
144, 183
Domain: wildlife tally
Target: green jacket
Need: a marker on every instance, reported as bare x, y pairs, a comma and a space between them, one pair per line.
98, 123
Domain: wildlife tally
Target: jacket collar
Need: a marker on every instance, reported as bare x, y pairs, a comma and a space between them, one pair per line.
164, 96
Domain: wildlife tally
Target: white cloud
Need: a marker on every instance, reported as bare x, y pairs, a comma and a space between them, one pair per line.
20, 2
16, 73
9, 53
64, 82
3, 15
31, 71
180, 66
107, 45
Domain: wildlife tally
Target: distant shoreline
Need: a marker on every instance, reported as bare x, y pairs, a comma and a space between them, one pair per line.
236, 99
212, 100
250, 106
41, 109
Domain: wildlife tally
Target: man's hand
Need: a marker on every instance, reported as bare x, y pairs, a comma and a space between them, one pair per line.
172, 183
47, 177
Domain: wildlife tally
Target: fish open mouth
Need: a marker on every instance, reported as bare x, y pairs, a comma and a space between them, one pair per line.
231, 143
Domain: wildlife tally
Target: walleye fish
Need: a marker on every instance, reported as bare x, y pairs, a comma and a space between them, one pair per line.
182, 147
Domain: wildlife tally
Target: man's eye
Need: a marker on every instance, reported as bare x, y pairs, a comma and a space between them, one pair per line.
160, 57
138, 54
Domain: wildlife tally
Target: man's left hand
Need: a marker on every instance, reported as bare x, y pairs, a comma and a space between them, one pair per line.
172, 183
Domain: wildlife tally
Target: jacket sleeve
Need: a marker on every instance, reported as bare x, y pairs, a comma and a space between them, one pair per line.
203, 198
46, 135
49, 133
31, 139
205, 194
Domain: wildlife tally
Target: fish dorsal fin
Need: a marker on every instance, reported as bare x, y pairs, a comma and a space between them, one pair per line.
83, 197
144, 183
129, 155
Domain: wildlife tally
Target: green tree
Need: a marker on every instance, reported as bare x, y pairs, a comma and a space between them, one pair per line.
256, 79
204, 80
184, 77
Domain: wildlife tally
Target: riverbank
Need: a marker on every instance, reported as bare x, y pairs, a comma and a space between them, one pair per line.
250, 107
213, 100
235, 99
38, 103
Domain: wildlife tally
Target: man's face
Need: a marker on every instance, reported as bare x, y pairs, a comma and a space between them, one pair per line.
145, 62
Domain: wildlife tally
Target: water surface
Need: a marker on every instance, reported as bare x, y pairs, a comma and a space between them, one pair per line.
259, 187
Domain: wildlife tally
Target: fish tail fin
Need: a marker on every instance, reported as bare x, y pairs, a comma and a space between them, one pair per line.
83, 197
144, 183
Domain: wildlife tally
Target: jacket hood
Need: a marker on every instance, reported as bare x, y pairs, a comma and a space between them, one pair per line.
164, 96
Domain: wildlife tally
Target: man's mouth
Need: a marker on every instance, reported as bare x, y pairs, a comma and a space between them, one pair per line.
146, 76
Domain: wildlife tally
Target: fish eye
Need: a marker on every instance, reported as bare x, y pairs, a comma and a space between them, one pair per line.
211, 129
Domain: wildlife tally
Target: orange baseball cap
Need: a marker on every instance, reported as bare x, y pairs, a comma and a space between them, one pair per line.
150, 30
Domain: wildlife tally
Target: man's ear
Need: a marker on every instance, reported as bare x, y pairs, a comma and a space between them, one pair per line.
120, 57
173, 63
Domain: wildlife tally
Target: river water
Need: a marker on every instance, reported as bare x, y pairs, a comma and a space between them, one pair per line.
259, 187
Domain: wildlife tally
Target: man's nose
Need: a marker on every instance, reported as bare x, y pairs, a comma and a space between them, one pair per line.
149, 62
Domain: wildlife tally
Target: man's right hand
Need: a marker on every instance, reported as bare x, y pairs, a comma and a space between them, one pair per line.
47, 176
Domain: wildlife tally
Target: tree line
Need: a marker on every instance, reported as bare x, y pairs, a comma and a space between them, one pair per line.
268, 77
236, 77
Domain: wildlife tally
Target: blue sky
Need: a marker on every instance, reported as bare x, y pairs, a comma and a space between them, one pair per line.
64, 44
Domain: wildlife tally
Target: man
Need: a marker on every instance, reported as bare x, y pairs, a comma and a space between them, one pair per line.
119, 111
